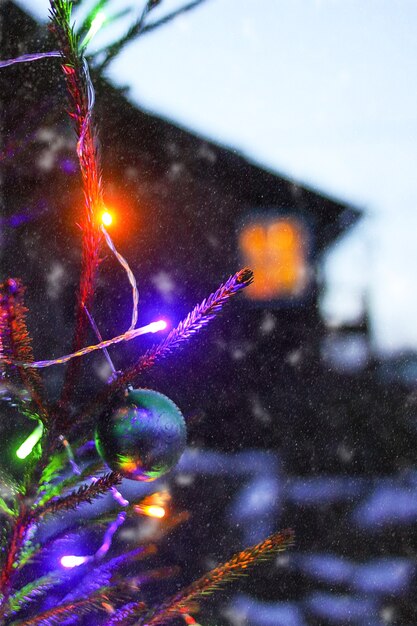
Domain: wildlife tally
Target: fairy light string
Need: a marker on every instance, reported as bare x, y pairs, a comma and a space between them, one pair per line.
84, 130
81, 95
84, 155
153, 327
130, 275
69, 561
28, 58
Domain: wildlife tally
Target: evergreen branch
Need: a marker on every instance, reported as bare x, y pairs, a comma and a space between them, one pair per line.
140, 28
9, 486
199, 317
16, 543
126, 614
30, 592
60, 24
135, 29
171, 16
28, 552
98, 6
53, 467
16, 344
48, 491
81, 94
219, 576
5, 509
86, 493
104, 574
63, 612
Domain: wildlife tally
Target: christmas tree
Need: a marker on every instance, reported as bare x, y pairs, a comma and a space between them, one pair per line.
83, 448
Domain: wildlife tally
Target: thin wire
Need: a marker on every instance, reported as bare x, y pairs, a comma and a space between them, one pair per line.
91, 98
100, 338
135, 294
132, 280
26, 58
70, 454
116, 495
127, 336
103, 549
130, 275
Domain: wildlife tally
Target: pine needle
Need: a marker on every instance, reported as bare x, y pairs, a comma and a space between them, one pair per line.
199, 317
140, 28
196, 320
219, 576
31, 592
86, 493
6, 510
81, 94
63, 612
124, 615
16, 344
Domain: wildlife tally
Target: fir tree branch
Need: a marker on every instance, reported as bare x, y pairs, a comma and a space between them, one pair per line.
28, 552
48, 491
16, 344
9, 486
171, 16
104, 574
6, 510
30, 592
126, 614
98, 6
63, 612
199, 317
81, 94
10, 560
86, 493
140, 28
51, 472
218, 577
134, 30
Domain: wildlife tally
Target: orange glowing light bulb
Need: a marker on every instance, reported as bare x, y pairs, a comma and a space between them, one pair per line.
154, 511
106, 218
154, 505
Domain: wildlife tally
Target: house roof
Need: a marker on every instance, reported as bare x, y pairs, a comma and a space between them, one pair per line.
256, 186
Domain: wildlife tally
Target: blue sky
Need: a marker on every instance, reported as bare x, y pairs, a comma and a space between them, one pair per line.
324, 91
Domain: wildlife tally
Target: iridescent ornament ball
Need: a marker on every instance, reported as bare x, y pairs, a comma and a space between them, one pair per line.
144, 438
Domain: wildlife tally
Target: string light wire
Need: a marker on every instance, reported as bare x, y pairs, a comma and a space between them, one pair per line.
100, 338
80, 148
153, 327
70, 561
130, 275
27, 58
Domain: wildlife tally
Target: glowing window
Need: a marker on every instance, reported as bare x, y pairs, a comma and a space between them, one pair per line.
276, 250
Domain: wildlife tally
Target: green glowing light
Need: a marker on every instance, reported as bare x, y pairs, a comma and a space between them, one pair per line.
96, 24
27, 446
